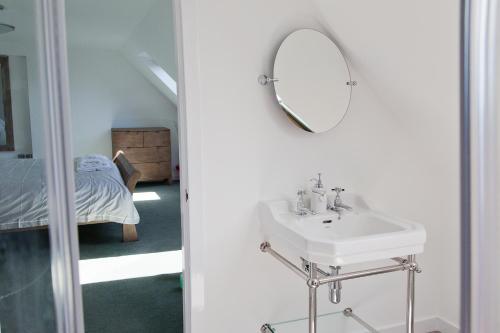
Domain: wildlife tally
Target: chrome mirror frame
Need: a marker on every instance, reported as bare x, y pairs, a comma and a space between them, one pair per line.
299, 121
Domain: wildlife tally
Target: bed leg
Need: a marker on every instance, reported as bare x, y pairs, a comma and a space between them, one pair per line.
129, 233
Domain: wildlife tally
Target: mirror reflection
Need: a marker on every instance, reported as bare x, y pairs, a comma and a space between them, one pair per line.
6, 139
15, 127
26, 295
313, 81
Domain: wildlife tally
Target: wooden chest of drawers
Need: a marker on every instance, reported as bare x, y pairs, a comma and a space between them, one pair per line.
147, 148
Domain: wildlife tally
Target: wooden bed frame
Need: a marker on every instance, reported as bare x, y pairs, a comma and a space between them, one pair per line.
130, 177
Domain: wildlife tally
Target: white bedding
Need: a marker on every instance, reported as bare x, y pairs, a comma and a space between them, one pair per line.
101, 196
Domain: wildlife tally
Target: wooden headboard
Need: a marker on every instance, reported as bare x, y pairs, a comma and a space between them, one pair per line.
129, 174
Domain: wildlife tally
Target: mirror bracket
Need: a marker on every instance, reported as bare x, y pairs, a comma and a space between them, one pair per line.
265, 80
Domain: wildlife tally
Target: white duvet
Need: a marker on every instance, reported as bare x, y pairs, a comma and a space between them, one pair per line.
101, 196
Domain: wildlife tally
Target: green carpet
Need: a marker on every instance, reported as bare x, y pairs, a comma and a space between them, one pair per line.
150, 304
26, 299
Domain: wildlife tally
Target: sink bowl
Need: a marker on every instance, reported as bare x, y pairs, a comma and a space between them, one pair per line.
359, 236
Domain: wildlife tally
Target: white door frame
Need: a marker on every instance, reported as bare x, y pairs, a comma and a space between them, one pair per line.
480, 273
480, 276
190, 151
54, 86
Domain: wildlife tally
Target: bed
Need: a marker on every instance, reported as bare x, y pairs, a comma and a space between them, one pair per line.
103, 196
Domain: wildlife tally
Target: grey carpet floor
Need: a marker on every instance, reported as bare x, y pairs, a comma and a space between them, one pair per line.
150, 304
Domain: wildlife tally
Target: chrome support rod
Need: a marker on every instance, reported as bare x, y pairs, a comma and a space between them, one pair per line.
410, 300
322, 272
318, 277
313, 297
349, 313
266, 248
363, 273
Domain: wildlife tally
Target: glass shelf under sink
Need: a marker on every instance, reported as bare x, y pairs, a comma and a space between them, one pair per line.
342, 321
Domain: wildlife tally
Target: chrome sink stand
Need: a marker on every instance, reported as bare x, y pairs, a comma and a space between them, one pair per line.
316, 277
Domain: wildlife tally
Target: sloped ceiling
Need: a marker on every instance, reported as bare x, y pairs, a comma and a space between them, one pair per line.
105, 24
142, 31
133, 28
150, 48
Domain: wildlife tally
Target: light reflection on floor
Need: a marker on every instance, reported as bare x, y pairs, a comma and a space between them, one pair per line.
129, 267
145, 196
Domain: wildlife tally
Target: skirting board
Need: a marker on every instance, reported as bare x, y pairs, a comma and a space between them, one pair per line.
424, 326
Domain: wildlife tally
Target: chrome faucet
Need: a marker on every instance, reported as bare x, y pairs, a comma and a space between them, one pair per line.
338, 205
318, 186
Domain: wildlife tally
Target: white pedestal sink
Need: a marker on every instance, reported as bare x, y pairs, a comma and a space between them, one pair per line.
358, 236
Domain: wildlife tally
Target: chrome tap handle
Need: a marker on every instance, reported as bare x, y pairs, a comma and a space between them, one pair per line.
338, 190
338, 205
338, 200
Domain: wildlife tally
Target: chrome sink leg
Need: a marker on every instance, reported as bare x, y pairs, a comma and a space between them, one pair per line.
313, 284
410, 300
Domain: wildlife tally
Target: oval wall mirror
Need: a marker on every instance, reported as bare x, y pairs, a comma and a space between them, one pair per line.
312, 81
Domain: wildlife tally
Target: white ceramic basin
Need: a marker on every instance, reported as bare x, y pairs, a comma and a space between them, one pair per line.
359, 236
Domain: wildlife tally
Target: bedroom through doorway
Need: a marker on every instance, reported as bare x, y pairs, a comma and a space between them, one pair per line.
122, 64
123, 89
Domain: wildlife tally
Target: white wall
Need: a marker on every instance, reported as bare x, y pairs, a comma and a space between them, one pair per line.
397, 147
107, 92
413, 70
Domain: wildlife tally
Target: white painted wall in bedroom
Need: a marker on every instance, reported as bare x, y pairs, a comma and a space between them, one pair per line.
106, 92
398, 146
